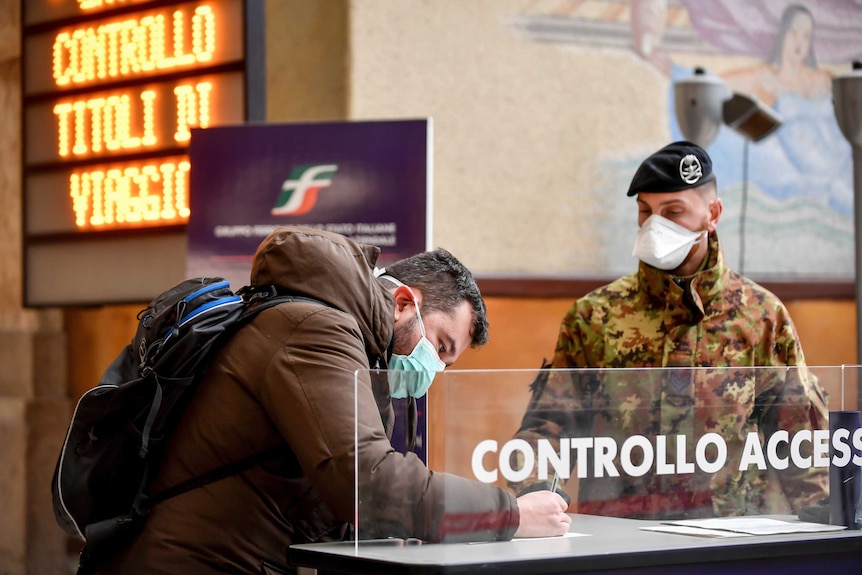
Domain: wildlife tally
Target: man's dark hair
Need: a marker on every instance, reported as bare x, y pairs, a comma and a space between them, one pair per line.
445, 282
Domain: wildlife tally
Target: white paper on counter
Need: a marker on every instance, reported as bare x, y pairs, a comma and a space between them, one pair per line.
696, 531
751, 526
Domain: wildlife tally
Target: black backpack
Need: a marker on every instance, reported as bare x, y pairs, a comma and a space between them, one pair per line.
120, 427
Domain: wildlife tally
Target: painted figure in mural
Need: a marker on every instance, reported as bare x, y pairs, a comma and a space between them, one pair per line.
792, 66
802, 173
287, 378
682, 309
807, 156
795, 185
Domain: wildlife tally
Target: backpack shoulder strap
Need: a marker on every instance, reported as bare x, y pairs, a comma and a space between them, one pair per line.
259, 299
217, 474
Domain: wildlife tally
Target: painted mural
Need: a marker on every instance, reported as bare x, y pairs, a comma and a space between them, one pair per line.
789, 197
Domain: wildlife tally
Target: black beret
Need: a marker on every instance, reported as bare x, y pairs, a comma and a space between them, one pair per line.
676, 167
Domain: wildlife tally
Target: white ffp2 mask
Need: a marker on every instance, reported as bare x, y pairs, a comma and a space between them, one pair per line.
662, 243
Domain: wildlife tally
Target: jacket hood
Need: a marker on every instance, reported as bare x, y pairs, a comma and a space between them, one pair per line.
333, 269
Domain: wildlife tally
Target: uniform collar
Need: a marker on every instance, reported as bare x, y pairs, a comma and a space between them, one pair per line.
693, 295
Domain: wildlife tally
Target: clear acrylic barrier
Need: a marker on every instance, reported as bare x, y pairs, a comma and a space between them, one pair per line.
657, 443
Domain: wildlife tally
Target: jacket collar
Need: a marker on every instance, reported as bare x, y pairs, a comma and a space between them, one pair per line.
687, 297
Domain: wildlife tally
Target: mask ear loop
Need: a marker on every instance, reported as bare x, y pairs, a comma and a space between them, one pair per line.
380, 274
440, 363
399, 283
418, 313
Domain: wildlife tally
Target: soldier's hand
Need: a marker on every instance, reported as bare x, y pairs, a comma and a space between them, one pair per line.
543, 514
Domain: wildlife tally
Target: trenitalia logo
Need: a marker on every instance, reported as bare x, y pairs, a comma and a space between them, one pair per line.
299, 191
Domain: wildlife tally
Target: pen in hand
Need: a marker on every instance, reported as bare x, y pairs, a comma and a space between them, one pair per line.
554, 483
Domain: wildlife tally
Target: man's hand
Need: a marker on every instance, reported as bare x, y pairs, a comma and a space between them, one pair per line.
543, 514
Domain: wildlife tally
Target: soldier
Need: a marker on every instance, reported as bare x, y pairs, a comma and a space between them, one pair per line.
683, 309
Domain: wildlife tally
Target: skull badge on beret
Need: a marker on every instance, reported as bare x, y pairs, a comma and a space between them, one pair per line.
676, 167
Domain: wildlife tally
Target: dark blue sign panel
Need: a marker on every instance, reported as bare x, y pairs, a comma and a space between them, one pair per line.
369, 181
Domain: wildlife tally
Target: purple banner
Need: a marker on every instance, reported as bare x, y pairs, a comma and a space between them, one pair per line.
369, 181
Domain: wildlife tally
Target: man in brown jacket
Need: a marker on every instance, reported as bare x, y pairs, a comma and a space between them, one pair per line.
288, 378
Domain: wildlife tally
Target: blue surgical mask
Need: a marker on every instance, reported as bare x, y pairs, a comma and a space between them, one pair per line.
412, 375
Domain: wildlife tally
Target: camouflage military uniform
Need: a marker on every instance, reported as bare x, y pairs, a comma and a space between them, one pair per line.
720, 320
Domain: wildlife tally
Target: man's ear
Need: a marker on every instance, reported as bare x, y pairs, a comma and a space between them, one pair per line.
716, 207
404, 299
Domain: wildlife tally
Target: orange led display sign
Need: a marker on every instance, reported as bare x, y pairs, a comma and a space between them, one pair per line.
155, 117
149, 42
132, 194
112, 91
134, 46
99, 90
